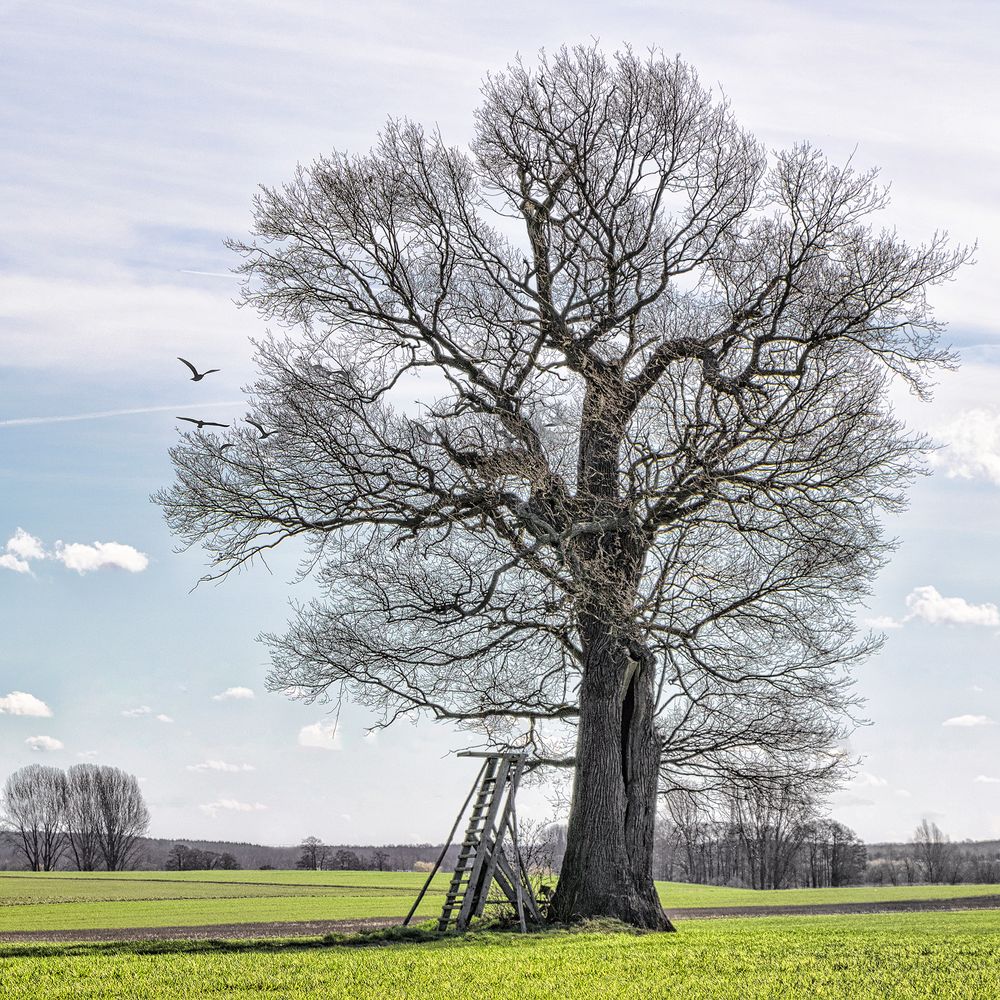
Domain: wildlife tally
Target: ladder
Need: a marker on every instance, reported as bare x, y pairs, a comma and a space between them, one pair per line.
482, 858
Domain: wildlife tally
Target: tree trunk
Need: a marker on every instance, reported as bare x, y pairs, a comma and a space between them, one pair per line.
608, 867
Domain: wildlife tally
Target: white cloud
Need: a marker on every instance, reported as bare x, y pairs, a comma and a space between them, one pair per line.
25, 546
22, 703
972, 446
87, 754
234, 694
848, 799
932, 607
7, 561
20, 548
44, 743
232, 805
983, 779
967, 721
321, 736
100, 555
220, 765
866, 780
143, 710
883, 622
903, 793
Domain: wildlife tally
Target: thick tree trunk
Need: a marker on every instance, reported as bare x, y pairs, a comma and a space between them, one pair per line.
608, 867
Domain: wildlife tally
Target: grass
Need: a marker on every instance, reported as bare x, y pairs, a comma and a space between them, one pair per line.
898, 956
74, 900
684, 894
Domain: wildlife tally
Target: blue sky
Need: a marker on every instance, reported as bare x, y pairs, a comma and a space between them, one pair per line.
133, 139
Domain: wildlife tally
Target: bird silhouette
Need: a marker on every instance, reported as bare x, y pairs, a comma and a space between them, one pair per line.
263, 433
202, 423
197, 376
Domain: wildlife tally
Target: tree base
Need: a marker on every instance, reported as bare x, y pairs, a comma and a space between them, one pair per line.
636, 909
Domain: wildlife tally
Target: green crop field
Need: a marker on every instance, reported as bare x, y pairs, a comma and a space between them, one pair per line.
74, 900
900, 956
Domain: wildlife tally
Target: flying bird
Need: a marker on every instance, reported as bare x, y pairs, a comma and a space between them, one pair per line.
197, 376
263, 433
202, 423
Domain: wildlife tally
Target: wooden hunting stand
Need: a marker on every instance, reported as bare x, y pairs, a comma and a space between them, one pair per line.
483, 859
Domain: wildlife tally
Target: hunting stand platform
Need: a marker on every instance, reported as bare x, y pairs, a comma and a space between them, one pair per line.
482, 858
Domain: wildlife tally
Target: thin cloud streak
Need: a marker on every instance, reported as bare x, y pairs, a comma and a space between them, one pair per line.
102, 414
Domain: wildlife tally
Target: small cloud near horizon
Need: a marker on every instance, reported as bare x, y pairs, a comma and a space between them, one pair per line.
967, 721
320, 736
983, 779
972, 448
22, 703
44, 743
936, 609
234, 694
219, 765
231, 805
22, 547
883, 622
866, 780
101, 555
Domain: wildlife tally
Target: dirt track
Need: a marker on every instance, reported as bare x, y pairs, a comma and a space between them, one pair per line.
317, 928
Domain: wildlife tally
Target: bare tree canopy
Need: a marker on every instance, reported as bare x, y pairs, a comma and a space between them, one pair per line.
32, 805
83, 820
120, 813
629, 524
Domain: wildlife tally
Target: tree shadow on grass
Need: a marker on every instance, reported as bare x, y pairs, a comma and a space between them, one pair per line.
424, 933
418, 934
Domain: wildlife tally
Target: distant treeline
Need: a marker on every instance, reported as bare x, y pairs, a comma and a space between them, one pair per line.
756, 850
767, 843
157, 854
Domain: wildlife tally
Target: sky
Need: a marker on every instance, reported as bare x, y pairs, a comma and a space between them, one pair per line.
133, 138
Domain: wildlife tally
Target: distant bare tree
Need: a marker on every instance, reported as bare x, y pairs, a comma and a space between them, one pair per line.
934, 852
83, 818
771, 822
33, 806
833, 855
313, 855
381, 860
628, 527
346, 860
120, 813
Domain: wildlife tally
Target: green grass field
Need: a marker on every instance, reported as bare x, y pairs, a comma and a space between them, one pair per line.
74, 900
901, 956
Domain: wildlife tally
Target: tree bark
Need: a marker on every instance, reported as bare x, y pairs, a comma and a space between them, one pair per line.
608, 867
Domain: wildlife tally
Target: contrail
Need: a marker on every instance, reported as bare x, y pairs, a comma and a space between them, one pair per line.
101, 414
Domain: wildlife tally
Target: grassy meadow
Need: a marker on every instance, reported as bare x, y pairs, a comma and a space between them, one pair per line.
899, 956
40, 901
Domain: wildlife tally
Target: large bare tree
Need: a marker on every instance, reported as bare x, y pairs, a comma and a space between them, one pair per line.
117, 808
83, 816
586, 432
32, 806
